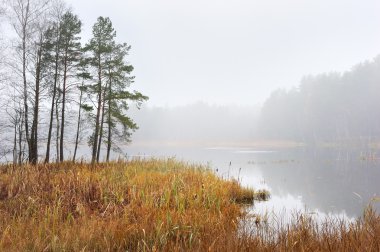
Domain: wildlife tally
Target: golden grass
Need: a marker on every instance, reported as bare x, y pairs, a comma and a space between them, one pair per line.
136, 205
305, 233
154, 205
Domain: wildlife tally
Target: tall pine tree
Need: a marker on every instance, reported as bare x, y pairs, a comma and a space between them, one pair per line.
99, 46
71, 55
118, 81
111, 87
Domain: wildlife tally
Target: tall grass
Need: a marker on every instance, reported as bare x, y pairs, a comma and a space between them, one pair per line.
153, 205
136, 205
306, 233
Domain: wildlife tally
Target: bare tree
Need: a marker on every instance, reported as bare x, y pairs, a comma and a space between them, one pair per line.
26, 15
15, 114
39, 75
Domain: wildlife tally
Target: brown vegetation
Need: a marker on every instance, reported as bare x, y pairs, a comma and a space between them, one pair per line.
153, 205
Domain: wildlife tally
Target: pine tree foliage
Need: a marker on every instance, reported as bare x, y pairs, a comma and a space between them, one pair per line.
108, 59
55, 76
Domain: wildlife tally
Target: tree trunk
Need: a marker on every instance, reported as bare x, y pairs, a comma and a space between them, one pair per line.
101, 131
61, 158
78, 125
57, 130
15, 141
109, 138
101, 124
20, 138
33, 159
26, 111
96, 133
47, 158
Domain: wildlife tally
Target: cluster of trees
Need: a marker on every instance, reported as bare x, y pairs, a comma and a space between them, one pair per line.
333, 107
49, 76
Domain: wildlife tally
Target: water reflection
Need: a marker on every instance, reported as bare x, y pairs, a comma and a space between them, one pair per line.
326, 181
321, 180
331, 181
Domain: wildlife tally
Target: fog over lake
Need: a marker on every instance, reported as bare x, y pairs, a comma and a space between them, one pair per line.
327, 181
338, 180
282, 95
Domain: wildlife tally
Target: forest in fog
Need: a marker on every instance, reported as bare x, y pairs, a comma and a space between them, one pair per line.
58, 92
335, 108
329, 107
55, 89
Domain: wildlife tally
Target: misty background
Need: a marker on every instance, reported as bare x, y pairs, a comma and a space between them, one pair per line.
243, 84
237, 72
334, 107
235, 51
241, 71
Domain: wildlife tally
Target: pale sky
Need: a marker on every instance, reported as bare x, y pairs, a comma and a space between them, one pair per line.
235, 51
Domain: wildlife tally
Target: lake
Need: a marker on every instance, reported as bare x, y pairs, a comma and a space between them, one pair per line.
323, 181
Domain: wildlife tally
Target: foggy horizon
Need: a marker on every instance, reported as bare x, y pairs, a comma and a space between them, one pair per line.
258, 105
236, 52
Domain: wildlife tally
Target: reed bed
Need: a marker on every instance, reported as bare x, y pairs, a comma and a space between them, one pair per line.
140, 205
154, 205
307, 233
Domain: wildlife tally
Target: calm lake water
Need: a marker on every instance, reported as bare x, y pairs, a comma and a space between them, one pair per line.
324, 181
320, 181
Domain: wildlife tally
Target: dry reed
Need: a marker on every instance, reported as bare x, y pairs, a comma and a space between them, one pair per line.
153, 205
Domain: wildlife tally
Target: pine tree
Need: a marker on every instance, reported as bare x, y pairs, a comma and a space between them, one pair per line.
111, 89
53, 43
84, 75
99, 46
118, 81
71, 54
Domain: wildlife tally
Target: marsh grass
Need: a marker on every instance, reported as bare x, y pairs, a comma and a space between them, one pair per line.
304, 232
154, 205
135, 205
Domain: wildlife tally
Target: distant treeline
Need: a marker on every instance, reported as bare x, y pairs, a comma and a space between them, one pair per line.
331, 107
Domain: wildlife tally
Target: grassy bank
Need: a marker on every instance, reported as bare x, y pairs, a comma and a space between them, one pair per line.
153, 205
139, 205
